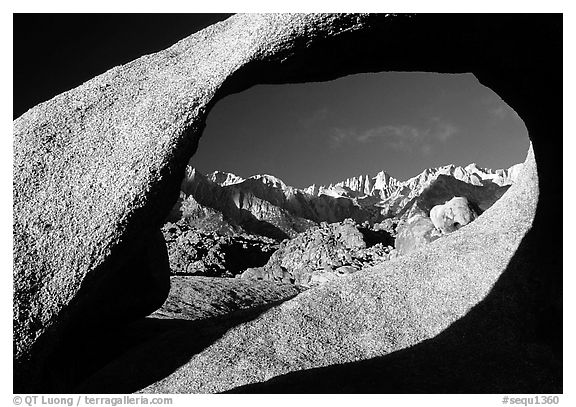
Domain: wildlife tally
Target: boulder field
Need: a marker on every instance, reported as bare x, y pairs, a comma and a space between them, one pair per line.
196, 252
98, 168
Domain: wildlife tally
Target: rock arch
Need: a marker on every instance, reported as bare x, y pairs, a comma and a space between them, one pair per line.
97, 167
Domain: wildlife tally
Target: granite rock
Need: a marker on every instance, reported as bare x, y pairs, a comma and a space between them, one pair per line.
324, 252
388, 308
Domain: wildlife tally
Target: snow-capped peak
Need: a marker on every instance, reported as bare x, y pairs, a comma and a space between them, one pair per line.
270, 180
223, 178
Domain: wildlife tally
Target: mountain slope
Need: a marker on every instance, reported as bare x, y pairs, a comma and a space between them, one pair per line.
264, 205
229, 209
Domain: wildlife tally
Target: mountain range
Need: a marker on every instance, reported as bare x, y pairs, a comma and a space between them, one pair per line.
264, 205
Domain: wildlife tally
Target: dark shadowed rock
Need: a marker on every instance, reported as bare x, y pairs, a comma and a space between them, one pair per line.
197, 310
193, 298
137, 286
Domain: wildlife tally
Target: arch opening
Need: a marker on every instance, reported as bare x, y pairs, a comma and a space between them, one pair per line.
378, 150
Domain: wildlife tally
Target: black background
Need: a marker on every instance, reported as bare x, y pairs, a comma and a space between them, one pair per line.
54, 53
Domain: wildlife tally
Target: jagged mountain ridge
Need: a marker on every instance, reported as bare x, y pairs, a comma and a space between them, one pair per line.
228, 209
384, 185
265, 205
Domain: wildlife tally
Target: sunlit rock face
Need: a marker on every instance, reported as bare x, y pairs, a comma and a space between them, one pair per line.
402, 199
452, 215
98, 168
224, 178
418, 230
265, 205
415, 233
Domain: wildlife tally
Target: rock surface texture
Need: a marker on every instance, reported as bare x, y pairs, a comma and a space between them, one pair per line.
414, 233
452, 215
97, 169
194, 252
322, 253
193, 298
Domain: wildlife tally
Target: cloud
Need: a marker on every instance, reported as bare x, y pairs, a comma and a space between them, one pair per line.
398, 137
391, 134
339, 137
443, 131
497, 108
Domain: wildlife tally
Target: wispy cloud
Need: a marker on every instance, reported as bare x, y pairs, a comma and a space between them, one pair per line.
496, 108
398, 137
339, 137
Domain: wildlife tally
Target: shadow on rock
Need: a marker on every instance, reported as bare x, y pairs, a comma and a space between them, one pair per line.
373, 237
131, 285
151, 349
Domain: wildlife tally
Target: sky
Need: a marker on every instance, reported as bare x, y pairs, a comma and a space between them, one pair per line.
306, 133
325, 132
